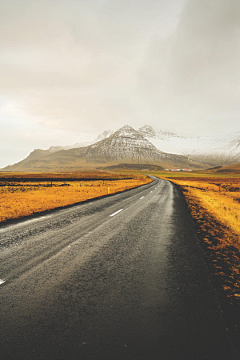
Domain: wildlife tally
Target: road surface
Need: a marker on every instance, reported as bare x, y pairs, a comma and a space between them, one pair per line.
121, 277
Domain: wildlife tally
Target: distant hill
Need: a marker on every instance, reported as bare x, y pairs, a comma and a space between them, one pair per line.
229, 169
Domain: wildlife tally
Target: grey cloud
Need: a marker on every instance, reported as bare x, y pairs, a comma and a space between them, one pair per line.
94, 64
194, 74
77, 61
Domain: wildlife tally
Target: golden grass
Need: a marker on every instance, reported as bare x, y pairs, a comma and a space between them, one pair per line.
76, 175
29, 195
214, 205
220, 199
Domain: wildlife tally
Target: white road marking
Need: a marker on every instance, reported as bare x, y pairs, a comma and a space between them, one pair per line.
116, 212
150, 192
2, 281
141, 197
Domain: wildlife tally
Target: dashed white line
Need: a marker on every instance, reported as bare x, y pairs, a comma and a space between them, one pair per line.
141, 197
2, 281
116, 212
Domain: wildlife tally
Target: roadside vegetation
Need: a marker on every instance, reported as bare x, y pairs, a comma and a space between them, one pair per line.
214, 203
25, 194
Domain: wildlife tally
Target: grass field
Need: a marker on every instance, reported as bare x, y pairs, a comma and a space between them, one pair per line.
219, 196
25, 194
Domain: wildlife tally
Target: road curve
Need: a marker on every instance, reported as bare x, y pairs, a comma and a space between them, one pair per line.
121, 277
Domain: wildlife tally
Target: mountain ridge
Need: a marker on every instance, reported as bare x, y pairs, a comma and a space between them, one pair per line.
126, 145
145, 145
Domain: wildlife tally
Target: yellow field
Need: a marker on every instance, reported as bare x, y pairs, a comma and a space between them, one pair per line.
214, 203
22, 195
221, 198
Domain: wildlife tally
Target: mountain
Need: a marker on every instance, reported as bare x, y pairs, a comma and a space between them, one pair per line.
130, 146
209, 150
125, 145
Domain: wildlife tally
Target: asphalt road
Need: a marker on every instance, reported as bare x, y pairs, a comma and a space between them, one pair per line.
121, 277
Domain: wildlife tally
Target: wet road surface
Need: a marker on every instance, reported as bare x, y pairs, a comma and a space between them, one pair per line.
121, 277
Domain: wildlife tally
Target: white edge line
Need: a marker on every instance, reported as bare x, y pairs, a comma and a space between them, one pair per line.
25, 222
2, 281
116, 212
141, 197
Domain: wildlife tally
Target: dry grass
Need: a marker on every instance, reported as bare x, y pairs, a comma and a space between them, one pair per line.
220, 198
26, 194
214, 204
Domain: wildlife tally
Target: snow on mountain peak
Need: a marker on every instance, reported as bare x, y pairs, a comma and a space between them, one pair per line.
104, 135
128, 131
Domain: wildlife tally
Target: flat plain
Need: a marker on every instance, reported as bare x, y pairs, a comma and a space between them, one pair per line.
24, 194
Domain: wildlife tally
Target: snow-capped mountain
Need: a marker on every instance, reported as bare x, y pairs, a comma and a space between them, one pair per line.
210, 150
125, 145
141, 146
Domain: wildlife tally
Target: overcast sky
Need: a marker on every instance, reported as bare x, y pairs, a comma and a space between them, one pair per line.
70, 69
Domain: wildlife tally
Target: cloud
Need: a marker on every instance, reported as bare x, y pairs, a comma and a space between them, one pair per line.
193, 76
90, 65
72, 57
74, 43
